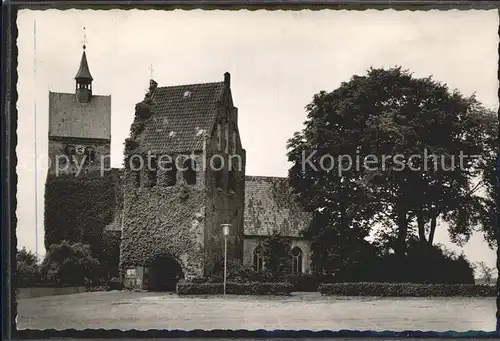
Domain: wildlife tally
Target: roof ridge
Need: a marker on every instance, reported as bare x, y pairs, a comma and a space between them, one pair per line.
186, 85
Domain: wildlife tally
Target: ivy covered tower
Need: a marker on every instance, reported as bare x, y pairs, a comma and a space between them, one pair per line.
184, 177
78, 191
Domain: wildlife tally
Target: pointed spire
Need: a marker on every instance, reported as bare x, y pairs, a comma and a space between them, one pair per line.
83, 73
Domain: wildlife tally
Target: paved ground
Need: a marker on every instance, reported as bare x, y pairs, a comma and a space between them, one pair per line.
129, 310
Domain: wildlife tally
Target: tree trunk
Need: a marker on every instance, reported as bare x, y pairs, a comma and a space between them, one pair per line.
400, 248
433, 229
421, 227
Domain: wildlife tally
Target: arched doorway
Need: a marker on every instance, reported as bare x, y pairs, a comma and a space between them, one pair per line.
163, 274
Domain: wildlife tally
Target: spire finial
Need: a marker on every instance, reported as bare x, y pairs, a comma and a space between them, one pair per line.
151, 70
84, 38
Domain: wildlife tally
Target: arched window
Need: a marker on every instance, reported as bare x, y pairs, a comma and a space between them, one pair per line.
189, 172
89, 155
296, 260
258, 257
71, 153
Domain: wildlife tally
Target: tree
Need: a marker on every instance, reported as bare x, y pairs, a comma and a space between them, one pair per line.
388, 117
27, 271
70, 264
277, 254
485, 272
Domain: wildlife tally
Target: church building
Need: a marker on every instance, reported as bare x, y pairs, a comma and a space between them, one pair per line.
171, 219
184, 176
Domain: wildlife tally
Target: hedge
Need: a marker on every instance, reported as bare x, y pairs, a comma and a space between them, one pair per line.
234, 288
406, 290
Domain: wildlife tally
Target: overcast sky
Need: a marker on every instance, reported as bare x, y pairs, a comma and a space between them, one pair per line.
278, 60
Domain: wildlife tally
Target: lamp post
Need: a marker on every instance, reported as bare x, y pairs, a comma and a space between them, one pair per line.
225, 231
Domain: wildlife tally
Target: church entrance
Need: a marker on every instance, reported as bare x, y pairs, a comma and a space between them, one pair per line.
163, 274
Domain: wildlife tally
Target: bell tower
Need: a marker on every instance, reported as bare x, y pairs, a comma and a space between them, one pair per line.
83, 78
79, 127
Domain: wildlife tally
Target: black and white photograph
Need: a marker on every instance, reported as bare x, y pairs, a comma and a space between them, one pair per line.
257, 170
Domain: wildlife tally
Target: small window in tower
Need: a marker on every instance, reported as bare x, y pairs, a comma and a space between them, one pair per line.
170, 174
90, 155
152, 172
189, 172
187, 94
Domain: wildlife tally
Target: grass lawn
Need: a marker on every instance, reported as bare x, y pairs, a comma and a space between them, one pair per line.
137, 310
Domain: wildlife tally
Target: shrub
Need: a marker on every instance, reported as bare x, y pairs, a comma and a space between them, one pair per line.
70, 264
234, 288
406, 290
115, 284
244, 274
27, 270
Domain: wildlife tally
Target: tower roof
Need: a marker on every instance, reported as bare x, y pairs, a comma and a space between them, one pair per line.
181, 114
84, 71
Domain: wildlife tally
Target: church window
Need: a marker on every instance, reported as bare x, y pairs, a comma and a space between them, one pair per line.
170, 174
152, 173
226, 139
296, 260
189, 172
219, 132
258, 257
89, 155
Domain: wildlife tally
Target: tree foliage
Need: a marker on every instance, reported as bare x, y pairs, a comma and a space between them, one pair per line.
27, 270
390, 149
276, 255
70, 264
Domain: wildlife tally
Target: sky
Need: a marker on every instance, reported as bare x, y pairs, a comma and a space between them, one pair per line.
277, 59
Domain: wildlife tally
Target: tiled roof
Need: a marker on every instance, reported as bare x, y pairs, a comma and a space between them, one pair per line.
84, 71
269, 205
181, 116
